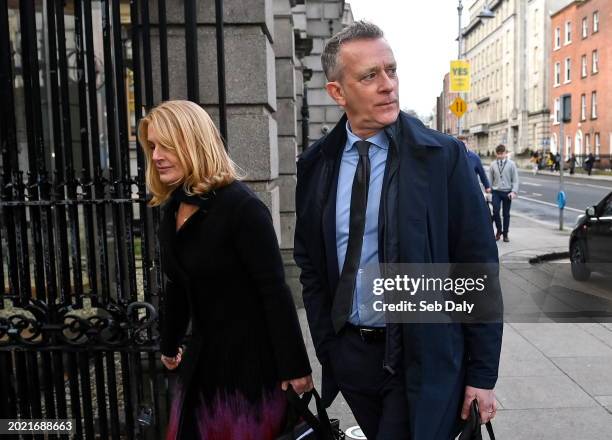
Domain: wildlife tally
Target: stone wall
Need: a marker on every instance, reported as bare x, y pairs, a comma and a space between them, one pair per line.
250, 45
267, 48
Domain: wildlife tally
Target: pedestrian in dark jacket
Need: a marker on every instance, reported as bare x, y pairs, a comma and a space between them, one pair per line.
383, 188
225, 275
476, 163
589, 163
572, 163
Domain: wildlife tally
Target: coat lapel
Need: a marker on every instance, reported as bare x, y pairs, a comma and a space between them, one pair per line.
331, 151
414, 191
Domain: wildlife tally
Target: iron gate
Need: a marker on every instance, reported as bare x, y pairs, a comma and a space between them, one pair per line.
80, 276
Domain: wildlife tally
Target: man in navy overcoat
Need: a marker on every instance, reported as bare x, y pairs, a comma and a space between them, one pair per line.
423, 205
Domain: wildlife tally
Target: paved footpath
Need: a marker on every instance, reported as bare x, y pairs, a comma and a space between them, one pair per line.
555, 380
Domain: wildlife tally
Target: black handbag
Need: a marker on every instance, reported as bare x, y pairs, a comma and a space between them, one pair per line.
472, 426
302, 424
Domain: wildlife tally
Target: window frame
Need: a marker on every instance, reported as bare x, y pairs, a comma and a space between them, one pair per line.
583, 107
568, 33
596, 21
584, 66
568, 70
594, 104
585, 27
595, 62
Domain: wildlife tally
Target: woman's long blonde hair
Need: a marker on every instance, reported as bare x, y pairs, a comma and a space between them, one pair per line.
186, 129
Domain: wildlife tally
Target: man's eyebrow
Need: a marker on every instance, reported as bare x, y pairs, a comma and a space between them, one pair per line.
376, 68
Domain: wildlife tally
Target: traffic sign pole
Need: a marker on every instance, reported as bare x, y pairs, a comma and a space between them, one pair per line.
561, 205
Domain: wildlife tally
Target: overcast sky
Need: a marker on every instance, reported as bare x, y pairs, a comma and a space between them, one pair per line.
422, 34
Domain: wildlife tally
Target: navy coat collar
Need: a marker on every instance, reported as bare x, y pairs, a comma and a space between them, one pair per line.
410, 139
404, 131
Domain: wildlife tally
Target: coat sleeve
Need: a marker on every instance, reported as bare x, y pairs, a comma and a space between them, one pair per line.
175, 318
471, 241
258, 249
317, 301
482, 174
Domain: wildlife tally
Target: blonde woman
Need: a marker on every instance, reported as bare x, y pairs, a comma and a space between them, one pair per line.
225, 273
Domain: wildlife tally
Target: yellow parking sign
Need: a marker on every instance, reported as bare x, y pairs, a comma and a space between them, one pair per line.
460, 76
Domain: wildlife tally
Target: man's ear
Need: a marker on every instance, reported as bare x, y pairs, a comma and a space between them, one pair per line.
334, 90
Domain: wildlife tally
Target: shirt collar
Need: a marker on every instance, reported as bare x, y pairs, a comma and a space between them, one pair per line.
379, 139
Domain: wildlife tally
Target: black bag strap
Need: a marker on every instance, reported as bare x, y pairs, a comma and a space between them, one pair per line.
472, 426
319, 423
490, 430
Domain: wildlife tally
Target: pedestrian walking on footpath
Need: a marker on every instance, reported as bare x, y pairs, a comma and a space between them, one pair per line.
572, 163
589, 163
381, 187
535, 162
225, 275
476, 164
504, 178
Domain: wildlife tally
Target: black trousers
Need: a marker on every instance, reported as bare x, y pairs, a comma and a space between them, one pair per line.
376, 397
500, 198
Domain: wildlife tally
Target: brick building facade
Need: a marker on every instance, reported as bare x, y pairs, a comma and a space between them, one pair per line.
580, 66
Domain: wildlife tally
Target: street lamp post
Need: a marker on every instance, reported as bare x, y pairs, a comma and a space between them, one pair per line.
485, 14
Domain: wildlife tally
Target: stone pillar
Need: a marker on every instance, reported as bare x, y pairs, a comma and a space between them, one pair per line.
324, 19
286, 118
250, 74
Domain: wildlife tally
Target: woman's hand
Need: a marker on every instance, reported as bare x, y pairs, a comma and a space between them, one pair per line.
300, 386
172, 362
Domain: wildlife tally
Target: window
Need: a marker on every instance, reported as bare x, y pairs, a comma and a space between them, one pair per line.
595, 67
594, 105
583, 108
557, 113
568, 70
595, 21
557, 38
557, 74
507, 74
587, 143
585, 27
597, 144
568, 32
583, 66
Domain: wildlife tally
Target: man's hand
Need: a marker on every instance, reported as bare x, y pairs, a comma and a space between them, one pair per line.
172, 362
486, 403
488, 190
512, 195
300, 386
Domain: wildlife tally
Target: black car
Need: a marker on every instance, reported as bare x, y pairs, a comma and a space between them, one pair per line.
591, 241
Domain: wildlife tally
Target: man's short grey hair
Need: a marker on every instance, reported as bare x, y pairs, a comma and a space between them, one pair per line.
359, 30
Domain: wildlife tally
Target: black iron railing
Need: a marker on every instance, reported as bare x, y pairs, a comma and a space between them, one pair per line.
80, 277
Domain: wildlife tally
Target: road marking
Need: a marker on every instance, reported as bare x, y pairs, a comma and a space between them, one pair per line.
535, 220
537, 194
567, 208
590, 185
531, 184
569, 180
523, 192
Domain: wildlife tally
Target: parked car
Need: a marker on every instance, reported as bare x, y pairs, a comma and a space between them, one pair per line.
591, 241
